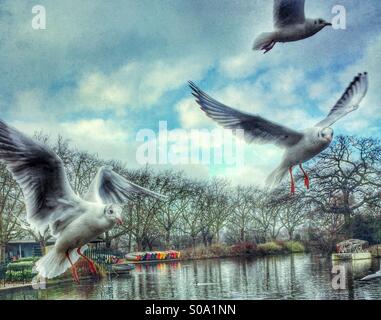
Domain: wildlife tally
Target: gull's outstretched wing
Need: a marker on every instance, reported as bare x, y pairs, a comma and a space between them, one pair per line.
372, 276
256, 129
349, 101
41, 176
288, 12
109, 187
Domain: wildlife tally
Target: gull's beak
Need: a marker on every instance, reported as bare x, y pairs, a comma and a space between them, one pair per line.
328, 24
119, 220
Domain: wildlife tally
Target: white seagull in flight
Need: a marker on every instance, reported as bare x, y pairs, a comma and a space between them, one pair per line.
372, 276
290, 25
51, 203
300, 146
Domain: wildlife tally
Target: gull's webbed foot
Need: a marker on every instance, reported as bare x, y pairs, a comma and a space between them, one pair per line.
306, 178
73, 269
93, 270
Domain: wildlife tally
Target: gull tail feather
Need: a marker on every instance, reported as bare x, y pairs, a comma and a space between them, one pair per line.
276, 177
55, 263
263, 40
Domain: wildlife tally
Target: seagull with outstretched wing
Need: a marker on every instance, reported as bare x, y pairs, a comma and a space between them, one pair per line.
290, 24
109, 187
372, 276
52, 205
300, 146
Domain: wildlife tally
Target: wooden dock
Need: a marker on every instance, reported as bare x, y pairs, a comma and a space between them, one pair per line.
351, 256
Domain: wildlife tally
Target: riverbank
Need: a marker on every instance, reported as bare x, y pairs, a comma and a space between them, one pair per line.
269, 277
14, 286
67, 278
243, 249
19, 274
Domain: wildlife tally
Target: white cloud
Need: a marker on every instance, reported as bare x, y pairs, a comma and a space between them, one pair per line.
190, 115
241, 65
260, 161
99, 92
136, 84
107, 138
95, 58
28, 104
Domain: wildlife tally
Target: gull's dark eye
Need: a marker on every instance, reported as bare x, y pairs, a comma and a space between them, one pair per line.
111, 211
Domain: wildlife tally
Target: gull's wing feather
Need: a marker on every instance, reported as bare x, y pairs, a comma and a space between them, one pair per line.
372, 276
109, 187
288, 12
349, 101
41, 176
256, 129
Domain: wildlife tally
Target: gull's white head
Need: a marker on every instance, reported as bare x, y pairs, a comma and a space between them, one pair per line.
113, 212
326, 135
321, 23
315, 25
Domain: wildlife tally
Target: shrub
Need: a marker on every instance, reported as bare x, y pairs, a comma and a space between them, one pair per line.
214, 251
24, 275
244, 248
20, 265
20, 270
294, 246
270, 248
197, 252
29, 259
219, 250
280, 242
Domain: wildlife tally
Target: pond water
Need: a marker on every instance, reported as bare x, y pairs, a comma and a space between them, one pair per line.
301, 276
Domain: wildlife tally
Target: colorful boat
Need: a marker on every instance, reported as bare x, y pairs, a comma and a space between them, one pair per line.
153, 256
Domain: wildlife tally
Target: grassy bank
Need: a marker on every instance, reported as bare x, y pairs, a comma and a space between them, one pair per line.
243, 249
19, 273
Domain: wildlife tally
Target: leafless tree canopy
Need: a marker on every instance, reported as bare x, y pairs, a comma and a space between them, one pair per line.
344, 199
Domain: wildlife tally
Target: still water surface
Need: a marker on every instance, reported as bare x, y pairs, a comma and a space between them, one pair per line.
286, 277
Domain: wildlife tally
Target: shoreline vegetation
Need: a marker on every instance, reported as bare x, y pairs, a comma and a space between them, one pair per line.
214, 251
245, 249
20, 272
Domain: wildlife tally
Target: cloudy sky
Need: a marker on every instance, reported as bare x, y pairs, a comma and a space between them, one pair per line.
102, 71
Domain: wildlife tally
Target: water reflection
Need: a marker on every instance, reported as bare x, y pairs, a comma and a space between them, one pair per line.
289, 277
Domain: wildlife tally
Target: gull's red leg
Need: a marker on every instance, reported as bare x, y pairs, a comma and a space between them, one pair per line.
306, 178
90, 262
73, 268
292, 181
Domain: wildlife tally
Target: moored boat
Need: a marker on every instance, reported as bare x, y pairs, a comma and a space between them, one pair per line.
153, 256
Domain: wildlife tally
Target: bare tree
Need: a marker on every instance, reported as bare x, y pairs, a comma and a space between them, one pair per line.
266, 216
11, 207
241, 221
293, 211
345, 178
